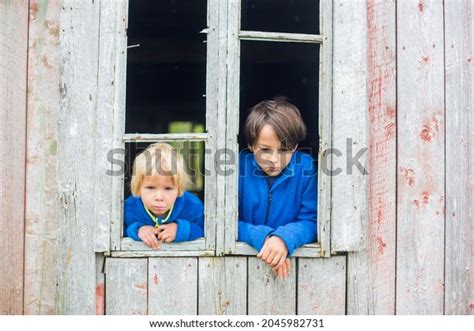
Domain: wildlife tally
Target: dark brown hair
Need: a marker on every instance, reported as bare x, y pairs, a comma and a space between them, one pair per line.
282, 116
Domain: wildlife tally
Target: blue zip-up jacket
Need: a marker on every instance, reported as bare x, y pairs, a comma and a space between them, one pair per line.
287, 210
188, 213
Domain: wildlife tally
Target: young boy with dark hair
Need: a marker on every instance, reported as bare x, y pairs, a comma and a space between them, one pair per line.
277, 185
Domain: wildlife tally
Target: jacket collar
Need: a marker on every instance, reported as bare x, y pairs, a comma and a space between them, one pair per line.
288, 172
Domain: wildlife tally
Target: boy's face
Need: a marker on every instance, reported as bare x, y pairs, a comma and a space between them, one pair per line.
158, 193
268, 153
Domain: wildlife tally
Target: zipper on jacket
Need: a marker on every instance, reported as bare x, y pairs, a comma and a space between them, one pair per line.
269, 203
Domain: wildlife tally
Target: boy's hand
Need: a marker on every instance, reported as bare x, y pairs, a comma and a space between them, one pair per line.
283, 270
167, 232
147, 234
273, 252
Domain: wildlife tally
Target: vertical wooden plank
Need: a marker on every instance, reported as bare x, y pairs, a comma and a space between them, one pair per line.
321, 286
100, 284
213, 215
13, 80
173, 286
421, 163
126, 286
104, 113
120, 67
76, 152
349, 161
41, 169
459, 71
371, 273
268, 295
325, 128
223, 286
232, 105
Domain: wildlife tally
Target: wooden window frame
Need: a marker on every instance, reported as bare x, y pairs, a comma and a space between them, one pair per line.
127, 247
222, 114
324, 39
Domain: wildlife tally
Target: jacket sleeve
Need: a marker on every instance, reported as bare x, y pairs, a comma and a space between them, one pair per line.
131, 220
303, 230
193, 228
254, 235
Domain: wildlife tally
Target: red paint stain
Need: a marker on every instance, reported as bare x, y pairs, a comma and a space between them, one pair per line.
379, 215
429, 129
425, 197
389, 131
425, 59
155, 279
409, 175
142, 287
391, 111
381, 246
471, 306
99, 300
421, 6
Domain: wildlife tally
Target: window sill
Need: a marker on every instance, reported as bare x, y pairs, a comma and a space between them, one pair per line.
310, 250
132, 248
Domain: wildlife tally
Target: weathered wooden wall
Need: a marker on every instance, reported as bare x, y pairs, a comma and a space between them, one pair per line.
230, 285
13, 50
60, 270
416, 253
419, 255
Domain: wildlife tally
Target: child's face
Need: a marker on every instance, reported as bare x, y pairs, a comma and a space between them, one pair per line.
268, 153
158, 193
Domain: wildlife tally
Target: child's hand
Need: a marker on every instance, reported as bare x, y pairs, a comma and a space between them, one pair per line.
147, 234
167, 232
273, 251
283, 270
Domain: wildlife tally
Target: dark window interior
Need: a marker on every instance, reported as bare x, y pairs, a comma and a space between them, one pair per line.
166, 77
293, 16
166, 74
270, 69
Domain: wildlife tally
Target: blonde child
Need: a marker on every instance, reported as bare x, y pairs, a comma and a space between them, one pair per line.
160, 209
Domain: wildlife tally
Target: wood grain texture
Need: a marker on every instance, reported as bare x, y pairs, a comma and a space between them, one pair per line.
41, 224
221, 9
13, 82
268, 295
126, 286
459, 72
350, 138
173, 286
223, 286
120, 13
100, 284
321, 286
325, 127
79, 157
421, 163
213, 186
105, 113
371, 273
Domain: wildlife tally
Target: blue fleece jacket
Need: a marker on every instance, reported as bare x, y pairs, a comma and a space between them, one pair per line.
188, 213
287, 210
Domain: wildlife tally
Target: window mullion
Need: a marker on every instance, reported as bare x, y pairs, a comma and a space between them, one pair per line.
232, 125
325, 129
119, 119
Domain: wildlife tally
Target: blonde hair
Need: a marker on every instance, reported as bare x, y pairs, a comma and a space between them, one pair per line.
159, 159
